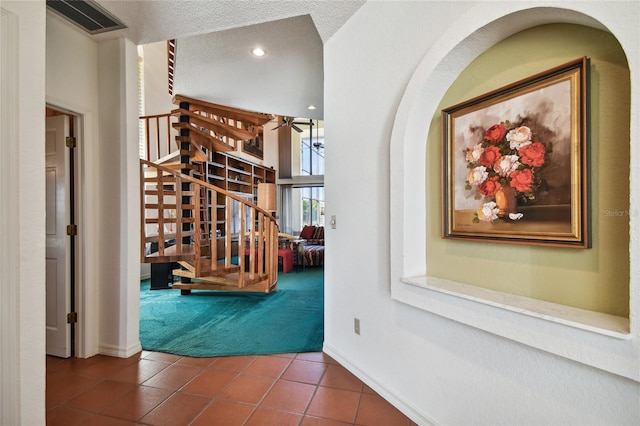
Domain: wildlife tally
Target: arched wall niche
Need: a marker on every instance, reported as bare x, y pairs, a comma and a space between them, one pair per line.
570, 277
583, 336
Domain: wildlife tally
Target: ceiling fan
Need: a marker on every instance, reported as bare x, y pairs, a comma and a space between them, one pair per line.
289, 122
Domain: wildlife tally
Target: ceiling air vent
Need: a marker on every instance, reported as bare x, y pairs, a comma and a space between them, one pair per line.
86, 14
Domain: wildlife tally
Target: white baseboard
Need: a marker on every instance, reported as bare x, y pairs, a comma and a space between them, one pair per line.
117, 351
145, 271
408, 410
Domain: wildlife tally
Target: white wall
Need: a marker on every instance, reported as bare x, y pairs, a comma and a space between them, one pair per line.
435, 369
120, 197
101, 87
23, 294
431, 367
270, 152
70, 83
75, 89
157, 99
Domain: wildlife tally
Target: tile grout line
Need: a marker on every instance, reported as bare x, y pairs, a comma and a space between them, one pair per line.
239, 373
76, 370
290, 360
175, 392
139, 385
315, 391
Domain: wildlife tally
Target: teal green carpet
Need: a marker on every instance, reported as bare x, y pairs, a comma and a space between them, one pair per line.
208, 323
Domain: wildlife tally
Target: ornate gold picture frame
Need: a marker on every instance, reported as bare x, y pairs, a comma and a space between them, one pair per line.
515, 162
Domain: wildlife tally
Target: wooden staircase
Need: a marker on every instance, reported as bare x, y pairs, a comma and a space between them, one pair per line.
179, 210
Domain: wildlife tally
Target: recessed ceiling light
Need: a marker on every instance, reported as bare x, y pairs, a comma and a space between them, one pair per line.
311, 107
258, 51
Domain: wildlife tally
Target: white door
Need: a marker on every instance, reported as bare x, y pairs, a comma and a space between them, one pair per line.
57, 251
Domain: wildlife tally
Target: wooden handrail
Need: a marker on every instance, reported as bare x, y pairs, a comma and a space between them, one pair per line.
247, 117
215, 127
219, 127
228, 128
207, 185
154, 116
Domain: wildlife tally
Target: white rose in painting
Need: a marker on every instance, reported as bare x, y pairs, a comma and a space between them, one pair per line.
506, 164
488, 212
519, 137
477, 175
473, 154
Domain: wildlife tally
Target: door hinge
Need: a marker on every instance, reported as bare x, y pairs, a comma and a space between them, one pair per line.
71, 142
72, 230
72, 317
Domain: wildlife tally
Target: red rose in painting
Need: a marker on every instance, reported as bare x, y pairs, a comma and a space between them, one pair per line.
507, 165
532, 155
495, 133
489, 187
489, 156
522, 180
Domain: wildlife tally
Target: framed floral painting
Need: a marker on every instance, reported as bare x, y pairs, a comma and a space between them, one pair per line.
515, 162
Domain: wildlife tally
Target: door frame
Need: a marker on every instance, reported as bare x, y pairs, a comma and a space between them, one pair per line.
72, 202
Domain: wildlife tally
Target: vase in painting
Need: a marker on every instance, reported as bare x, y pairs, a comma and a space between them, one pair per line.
506, 200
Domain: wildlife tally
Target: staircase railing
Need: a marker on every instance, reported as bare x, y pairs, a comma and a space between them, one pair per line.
178, 225
212, 126
159, 135
218, 127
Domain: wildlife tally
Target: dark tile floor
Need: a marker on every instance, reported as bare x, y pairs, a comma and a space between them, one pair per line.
153, 388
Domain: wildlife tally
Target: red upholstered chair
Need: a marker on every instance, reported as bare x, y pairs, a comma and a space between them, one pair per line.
313, 247
308, 248
307, 232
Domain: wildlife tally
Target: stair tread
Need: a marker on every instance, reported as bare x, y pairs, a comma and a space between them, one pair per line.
206, 271
228, 284
171, 255
167, 236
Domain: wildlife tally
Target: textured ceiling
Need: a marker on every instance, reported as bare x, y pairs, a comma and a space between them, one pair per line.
219, 67
214, 40
157, 20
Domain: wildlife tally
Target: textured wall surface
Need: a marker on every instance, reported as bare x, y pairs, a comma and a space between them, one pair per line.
24, 355
443, 359
436, 369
